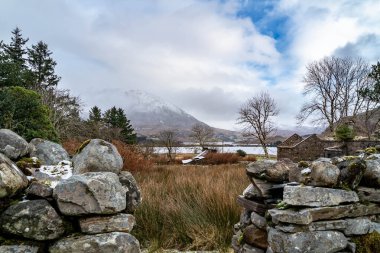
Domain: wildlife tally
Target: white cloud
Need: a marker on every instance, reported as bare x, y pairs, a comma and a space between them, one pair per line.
192, 53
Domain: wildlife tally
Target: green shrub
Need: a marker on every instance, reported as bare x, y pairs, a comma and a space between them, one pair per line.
241, 153
22, 111
344, 132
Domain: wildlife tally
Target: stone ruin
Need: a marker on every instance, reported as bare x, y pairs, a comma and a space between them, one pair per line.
324, 206
58, 208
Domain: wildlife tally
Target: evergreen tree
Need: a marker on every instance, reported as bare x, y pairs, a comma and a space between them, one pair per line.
13, 70
16, 49
21, 110
42, 67
127, 132
116, 118
111, 118
95, 114
374, 93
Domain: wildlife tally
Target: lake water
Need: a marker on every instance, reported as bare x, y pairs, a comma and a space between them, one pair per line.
231, 149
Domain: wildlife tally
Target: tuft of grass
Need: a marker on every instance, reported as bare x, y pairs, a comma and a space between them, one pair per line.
189, 207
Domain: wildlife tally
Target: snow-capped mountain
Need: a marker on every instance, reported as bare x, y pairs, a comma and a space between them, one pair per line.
150, 114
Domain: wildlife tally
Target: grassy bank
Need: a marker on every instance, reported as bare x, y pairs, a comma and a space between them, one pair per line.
189, 207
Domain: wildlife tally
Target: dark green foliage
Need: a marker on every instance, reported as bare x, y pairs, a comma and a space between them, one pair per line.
21, 110
42, 67
374, 93
344, 132
34, 68
13, 70
241, 153
95, 114
16, 49
116, 118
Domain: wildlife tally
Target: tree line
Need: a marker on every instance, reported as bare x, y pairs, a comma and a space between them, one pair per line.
335, 87
32, 105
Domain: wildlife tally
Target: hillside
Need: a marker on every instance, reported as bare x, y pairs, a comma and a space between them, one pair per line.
360, 124
150, 114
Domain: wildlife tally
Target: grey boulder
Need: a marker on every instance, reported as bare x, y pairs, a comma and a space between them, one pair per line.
324, 174
133, 191
39, 189
98, 155
12, 180
351, 175
303, 242
90, 193
358, 226
317, 196
258, 220
49, 153
371, 177
35, 219
12, 144
116, 242
101, 224
273, 171
19, 249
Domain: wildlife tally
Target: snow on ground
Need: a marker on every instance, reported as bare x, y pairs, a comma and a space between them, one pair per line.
54, 173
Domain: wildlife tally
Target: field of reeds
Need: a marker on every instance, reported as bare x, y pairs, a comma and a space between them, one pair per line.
184, 207
190, 207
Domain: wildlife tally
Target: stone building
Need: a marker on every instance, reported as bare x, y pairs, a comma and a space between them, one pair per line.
312, 147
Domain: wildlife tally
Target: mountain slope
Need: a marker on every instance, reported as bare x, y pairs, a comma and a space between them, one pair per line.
149, 115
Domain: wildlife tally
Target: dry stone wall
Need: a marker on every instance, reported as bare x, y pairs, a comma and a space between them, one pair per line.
51, 210
324, 206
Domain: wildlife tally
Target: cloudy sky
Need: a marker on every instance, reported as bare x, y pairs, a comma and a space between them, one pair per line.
206, 57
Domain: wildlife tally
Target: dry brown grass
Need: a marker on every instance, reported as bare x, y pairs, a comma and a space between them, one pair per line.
189, 207
133, 157
71, 145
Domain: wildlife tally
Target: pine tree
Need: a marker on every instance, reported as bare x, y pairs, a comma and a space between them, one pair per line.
42, 67
127, 132
374, 93
16, 49
110, 117
13, 70
95, 114
116, 118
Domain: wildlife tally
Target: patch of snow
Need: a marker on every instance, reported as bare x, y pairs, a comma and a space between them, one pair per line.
55, 173
141, 101
306, 171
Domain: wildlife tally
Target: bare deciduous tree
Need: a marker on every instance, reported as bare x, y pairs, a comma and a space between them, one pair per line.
168, 138
202, 134
333, 85
255, 115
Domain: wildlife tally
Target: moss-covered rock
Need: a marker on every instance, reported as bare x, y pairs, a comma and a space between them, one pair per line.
303, 164
368, 243
370, 150
25, 164
350, 176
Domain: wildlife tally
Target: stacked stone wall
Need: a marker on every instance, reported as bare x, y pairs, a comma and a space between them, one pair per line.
328, 205
59, 208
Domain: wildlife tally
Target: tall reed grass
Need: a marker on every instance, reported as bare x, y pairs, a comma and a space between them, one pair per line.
189, 207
